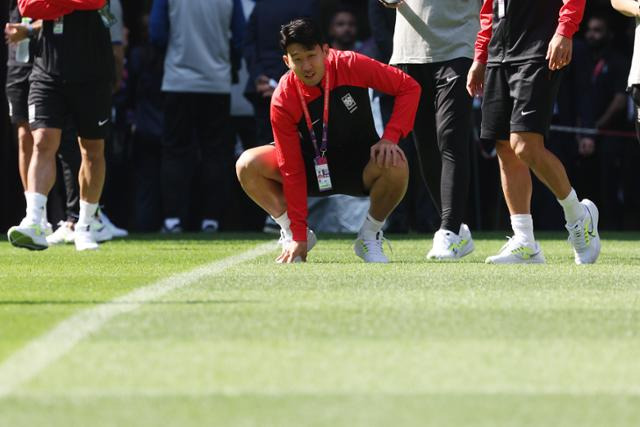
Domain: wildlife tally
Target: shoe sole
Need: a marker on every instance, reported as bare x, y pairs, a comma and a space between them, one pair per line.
537, 260
23, 241
471, 247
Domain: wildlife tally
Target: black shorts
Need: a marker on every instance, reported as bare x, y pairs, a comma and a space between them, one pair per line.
518, 98
346, 168
17, 90
88, 105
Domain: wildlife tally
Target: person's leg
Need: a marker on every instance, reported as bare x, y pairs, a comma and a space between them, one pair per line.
386, 188
453, 124
70, 161
177, 159
424, 131
216, 142
259, 175
25, 150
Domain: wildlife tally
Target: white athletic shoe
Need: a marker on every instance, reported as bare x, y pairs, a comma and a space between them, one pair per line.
115, 231
583, 235
87, 238
47, 228
448, 245
63, 234
515, 251
371, 250
286, 239
28, 236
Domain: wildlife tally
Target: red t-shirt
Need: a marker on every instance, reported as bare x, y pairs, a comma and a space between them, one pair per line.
346, 69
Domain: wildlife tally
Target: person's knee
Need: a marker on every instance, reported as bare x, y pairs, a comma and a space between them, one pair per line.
247, 166
526, 151
45, 144
398, 173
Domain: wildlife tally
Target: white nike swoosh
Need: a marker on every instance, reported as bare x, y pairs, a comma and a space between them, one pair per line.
526, 113
450, 79
103, 122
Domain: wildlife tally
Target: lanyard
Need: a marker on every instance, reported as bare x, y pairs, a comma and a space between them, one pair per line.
325, 115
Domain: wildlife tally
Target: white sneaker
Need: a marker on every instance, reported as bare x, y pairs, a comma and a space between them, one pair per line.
28, 236
515, 251
47, 228
210, 226
371, 250
115, 231
63, 234
448, 245
583, 235
87, 238
286, 239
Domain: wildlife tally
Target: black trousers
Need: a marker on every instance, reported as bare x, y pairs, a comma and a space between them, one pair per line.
197, 143
442, 135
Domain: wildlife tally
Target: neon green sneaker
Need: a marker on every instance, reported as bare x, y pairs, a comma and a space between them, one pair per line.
448, 245
370, 250
28, 236
516, 251
583, 235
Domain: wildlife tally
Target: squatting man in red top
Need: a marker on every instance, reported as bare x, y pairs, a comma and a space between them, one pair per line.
326, 143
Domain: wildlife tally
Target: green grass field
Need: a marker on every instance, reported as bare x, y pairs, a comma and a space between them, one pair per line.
333, 342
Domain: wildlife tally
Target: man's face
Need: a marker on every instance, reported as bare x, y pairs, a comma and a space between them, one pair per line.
307, 64
344, 29
597, 34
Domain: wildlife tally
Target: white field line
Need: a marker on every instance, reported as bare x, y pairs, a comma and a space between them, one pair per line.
38, 354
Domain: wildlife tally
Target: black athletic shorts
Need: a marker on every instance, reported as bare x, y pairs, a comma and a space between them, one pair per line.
88, 105
346, 168
17, 90
518, 98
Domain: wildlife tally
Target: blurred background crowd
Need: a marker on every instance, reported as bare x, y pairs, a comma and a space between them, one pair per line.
171, 153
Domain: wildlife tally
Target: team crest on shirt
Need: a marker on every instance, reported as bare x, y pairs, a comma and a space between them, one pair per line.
349, 102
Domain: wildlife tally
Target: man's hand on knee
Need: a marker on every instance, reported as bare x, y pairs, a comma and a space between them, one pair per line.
386, 154
293, 252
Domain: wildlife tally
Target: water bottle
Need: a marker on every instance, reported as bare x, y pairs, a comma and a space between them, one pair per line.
22, 48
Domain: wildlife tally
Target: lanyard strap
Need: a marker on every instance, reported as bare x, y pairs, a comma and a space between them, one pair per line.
325, 115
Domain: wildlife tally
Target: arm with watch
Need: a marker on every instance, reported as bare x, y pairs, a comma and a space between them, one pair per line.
629, 8
16, 32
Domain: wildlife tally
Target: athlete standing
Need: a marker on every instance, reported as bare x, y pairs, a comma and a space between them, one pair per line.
521, 50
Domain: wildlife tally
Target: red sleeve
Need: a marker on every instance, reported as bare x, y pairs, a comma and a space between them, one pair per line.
570, 17
294, 178
484, 35
54, 9
369, 73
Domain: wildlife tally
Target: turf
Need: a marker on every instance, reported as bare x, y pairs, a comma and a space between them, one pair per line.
332, 342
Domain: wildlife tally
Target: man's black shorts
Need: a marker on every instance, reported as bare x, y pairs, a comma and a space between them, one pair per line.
17, 90
518, 98
346, 167
87, 104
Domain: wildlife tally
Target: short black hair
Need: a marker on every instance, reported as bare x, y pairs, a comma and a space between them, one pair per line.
303, 31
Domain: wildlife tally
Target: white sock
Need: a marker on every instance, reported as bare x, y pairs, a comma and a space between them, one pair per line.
284, 222
370, 228
522, 226
574, 211
36, 205
169, 223
87, 213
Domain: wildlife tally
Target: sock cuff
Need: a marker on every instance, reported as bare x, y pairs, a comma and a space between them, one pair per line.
571, 197
375, 221
283, 217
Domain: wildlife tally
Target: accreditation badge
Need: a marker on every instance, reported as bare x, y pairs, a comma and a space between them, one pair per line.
58, 26
322, 173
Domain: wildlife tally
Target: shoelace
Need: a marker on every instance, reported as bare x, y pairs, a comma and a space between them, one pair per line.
377, 244
576, 236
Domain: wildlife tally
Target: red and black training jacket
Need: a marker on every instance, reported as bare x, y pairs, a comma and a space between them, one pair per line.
350, 119
519, 31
